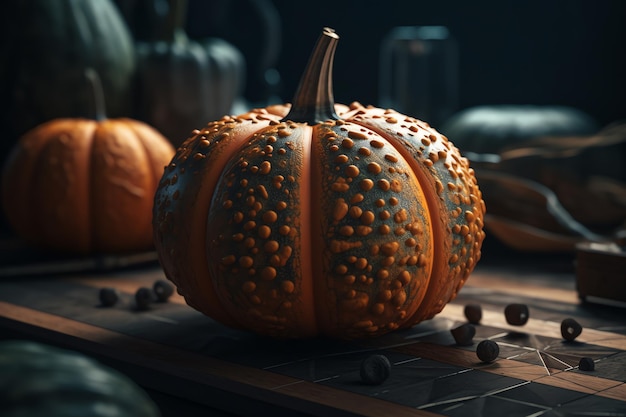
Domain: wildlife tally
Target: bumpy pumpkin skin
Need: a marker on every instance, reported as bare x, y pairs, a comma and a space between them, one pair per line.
319, 219
85, 186
348, 228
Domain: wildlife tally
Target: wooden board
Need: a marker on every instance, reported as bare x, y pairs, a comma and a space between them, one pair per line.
171, 348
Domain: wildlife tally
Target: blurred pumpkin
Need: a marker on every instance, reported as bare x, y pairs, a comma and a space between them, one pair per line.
41, 380
490, 128
296, 222
550, 176
145, 18
224, 19
183, 83
85, 186
562, 190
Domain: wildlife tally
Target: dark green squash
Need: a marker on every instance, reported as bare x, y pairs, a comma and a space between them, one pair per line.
184, 83
46, 47
40, 380
550, 177
489, 128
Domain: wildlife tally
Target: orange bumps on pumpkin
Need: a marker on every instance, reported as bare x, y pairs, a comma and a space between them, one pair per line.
349, 232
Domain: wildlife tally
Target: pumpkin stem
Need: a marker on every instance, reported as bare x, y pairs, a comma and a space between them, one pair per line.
176, 20
99, 112
314, 101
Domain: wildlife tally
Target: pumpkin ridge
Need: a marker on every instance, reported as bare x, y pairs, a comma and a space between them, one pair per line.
378, 247
309, 217
456, 206
220, 164
190, 180
433, 207
135, 126
151, 154
258, 233
90, 226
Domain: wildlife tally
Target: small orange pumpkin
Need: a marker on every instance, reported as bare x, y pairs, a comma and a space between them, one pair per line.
318, 219
85, 186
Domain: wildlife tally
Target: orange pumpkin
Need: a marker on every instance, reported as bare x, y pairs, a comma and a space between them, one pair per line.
318, 219
85, 186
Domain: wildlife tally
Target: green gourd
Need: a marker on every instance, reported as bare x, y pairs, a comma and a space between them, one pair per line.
41, 380
490, 128
47, 46
183, 83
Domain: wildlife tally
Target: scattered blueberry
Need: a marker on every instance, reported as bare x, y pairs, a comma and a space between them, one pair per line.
473, 313
143, 298
487, 350
570, 329
109, 296
516, 314
375, 369
464, 334
163, 290
586, 364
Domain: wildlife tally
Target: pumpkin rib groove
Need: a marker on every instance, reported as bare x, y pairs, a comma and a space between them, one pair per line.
53, 225
297, 267
89, 193
450, 203
152, 153
209, 186
438, 229
309, 217
207, 191
415, 285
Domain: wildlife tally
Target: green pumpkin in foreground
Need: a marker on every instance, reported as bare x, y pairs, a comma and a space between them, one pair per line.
37, 380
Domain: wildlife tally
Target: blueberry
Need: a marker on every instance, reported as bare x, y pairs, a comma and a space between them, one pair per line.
516, 314
586, 364
375, 369
163, 290
487, 350
143, 298
464, 334
474, 313
109, 296
570, 329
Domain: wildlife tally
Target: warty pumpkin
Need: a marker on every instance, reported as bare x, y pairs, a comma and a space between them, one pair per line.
83, 185
318, 219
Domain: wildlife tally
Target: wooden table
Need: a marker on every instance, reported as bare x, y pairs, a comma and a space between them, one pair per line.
195, 366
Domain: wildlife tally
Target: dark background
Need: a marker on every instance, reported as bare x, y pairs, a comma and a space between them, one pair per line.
511, 52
